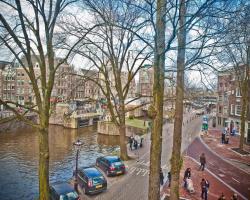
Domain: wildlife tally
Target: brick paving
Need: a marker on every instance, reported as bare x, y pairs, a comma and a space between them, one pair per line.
235, 178
215, 189
213, 140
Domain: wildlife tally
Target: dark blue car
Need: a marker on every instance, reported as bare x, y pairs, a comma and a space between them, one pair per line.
63, 191
111, 165
91, 180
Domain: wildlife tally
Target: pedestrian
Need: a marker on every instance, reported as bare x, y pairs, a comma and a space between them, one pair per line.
187, 174
130, 141
222, 197
141, 143
169, 179
202, 161
226, 138
223, 137
234, 197
161, 176
204, 188
135, 144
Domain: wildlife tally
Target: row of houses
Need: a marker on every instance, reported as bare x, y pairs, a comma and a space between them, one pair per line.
70, 84
229, 102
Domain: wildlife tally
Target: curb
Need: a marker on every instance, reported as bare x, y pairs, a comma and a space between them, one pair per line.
230, 187
219, 155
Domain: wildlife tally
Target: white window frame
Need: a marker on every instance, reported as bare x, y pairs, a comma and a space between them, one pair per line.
236, 109
237, 92
232, 109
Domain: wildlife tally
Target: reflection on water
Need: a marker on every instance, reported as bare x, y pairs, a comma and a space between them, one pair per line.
19, 158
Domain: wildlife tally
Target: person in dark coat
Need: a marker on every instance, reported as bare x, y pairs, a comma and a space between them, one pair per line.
202, 161
169, 179
204, 188
135, 144
187, 174
161, 177
130, 141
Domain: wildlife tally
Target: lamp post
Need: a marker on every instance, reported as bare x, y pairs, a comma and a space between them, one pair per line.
77, 145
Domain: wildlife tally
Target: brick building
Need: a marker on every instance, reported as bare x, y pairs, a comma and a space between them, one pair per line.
146, 80
229, 103
7, 83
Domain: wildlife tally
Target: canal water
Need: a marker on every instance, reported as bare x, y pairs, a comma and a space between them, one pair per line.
19, 158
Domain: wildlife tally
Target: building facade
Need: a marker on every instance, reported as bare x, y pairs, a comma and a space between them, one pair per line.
229, 104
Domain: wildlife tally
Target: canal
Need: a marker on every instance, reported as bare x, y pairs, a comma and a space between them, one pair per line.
19, 158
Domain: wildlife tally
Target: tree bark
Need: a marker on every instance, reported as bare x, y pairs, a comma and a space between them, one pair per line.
245, 97
176, 160
123, 143
158, 92
43, 164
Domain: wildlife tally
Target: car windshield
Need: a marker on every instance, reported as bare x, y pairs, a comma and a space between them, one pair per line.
69, 196
97, 180
114, 160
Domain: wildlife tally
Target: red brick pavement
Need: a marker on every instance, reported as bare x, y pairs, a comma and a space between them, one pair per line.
213, 140
215, 189
235, 178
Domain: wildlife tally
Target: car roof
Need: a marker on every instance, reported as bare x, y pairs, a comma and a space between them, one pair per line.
62, 187
91, 171
111, 158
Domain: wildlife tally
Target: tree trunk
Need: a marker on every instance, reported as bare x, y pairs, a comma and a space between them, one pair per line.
123, 142
158, 92
243, 113
176, 160
43, 164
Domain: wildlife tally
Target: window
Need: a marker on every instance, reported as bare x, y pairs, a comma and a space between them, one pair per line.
220, 97
225, 97
232, 109
220, 109
237, 92
225, 110
221, 84
238, 110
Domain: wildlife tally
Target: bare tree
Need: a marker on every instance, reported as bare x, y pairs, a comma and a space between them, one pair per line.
27, 30
234, 53
115, 53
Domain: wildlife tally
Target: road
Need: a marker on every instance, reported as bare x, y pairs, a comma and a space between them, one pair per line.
234, 177
134, 184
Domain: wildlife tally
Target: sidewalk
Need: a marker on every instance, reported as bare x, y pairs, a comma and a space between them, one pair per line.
213, 140
215, 189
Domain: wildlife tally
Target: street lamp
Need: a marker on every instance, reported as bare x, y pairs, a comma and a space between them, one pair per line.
77, 145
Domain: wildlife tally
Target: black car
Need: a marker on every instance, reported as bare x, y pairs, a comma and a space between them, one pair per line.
111, 165
91, 180
63, 191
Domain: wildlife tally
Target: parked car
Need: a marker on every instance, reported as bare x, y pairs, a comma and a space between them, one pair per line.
111, 165
91, 180
63, 191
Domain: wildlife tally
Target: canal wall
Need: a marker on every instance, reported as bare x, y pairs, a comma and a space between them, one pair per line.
109, 128
14, 125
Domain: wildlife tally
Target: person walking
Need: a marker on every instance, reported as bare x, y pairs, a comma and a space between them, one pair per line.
161, 177
130, 141
187, 174
169, 179
202, 161
204, 188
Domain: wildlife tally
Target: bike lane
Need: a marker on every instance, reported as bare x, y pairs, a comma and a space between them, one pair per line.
236, 179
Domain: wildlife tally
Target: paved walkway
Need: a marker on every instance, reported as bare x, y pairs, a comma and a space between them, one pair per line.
235, 179
134, 185
215, 188
213, 140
